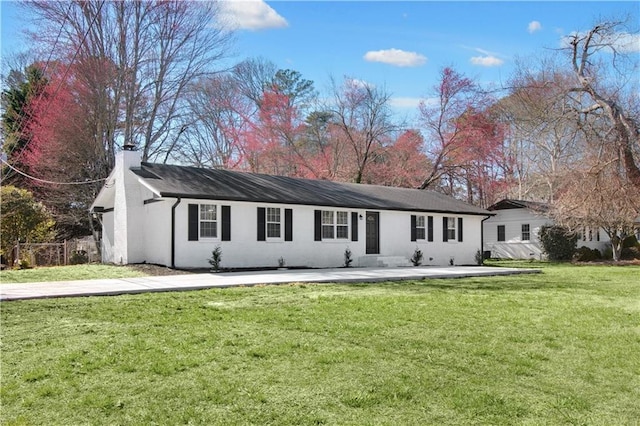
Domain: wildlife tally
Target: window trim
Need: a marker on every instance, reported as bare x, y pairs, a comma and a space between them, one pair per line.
335, 225
527, 232
420, 228
216, 221
452, 230
279, 222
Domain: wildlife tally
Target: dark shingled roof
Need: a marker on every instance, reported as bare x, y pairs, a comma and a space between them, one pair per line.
217, 184
507, 204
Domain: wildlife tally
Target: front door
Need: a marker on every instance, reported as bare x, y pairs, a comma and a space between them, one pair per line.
373, 233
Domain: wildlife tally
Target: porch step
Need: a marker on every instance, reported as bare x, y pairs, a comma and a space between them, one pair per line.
383, 261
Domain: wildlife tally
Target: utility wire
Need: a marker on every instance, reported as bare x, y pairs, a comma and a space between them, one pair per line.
20, 172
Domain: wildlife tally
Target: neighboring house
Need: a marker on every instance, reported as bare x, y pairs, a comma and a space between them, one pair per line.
176, 216
513, 232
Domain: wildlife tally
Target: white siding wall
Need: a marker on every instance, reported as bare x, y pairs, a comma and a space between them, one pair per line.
245, 251
157, 232
107, 237
594, 242
514, 247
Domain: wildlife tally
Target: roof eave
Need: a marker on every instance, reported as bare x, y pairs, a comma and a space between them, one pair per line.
319, 204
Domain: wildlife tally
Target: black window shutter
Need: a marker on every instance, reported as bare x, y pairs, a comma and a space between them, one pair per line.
444, 229
460, 229
261, 224
354, 226
414, 237
192, 221
317, 225
430, 228
226, 223
288, 224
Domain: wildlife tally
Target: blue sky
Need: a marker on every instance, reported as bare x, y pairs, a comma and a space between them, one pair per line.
395, 44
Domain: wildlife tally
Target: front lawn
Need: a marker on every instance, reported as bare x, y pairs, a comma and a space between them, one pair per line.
561, 347
71, 273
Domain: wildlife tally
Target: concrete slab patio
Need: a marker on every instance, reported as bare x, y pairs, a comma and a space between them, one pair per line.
104, 287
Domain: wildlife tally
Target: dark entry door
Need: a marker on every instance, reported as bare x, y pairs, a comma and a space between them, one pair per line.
373, 233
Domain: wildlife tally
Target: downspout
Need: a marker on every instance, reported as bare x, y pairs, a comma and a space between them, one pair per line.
482, 236
173, 233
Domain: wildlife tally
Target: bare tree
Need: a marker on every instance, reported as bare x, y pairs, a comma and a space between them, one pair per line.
544, 134
596, 196
139, 58
601, 87
363, 117
218, 120
461, 137
576, 123
252, 77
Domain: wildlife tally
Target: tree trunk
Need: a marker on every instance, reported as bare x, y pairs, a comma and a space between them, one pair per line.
616, 247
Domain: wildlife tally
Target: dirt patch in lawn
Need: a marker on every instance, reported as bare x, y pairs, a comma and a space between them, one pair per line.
156, 270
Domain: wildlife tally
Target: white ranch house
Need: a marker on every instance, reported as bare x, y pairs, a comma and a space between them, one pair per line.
512, 233
176, 216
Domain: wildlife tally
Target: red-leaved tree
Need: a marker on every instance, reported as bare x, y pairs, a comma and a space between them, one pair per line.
400, 163
65, 149
463, 143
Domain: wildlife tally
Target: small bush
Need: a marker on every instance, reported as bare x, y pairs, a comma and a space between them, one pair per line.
630, 241
23, 263
479, 257
347, 258
558, 242
630, 253
216, 258
78, 257
416, 259
585, 254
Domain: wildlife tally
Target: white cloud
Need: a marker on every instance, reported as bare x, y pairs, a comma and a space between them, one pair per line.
534, 26
405, 102
396, 57
251, 15
488, 58
357, 83
621, 42
627, 43
486, 61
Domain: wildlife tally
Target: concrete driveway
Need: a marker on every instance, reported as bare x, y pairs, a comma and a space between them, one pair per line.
104, 287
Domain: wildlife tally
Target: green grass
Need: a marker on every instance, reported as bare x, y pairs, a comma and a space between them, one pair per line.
68, 273
561, 347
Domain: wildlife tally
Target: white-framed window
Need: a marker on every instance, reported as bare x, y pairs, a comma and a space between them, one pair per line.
208, 221
273, 221
335, 225
451, 228
526, 232
420, 228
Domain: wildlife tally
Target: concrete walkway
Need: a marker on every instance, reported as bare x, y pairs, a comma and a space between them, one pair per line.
103, 287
